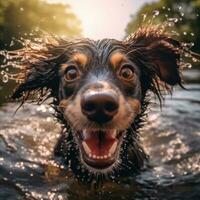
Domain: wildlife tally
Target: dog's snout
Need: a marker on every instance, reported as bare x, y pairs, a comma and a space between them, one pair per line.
99, 107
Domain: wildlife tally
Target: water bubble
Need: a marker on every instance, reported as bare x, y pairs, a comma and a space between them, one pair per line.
166, 15
169, 9
5, 78
21, 9
54, 17
163, 7
184, 33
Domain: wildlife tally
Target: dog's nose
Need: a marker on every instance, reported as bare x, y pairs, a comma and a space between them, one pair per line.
99, 107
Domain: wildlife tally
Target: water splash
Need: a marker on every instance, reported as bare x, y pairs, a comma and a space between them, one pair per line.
156, 13
169, 26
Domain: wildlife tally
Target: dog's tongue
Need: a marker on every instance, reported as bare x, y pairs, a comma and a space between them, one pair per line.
99, 143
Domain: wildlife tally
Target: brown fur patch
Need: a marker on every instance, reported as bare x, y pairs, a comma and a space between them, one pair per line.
80, 58
117, 58
135, 104
63, 104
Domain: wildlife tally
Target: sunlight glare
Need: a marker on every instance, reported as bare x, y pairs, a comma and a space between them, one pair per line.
104, 19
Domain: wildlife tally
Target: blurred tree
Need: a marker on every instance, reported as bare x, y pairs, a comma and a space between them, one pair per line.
20, 17
184, 13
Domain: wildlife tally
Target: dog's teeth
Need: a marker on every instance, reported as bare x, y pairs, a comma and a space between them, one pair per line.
114, 133
100, 157
113, 148
84, 134
86, 148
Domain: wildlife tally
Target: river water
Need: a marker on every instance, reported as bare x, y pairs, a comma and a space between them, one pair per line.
171, 137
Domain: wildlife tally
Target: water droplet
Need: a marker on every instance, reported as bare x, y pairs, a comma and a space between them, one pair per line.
192, 34
163, 7
175, 33
21, 9
156, 12
169, 9
182, 14
170, 24
5, 78
12, 43
188, 65
144, 17
194, 60
188, 45
173, 20
187, 55
54, 17
184, 33
37, 29
180, 7
166, 15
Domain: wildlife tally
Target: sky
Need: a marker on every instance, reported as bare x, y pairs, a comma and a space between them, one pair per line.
104, 18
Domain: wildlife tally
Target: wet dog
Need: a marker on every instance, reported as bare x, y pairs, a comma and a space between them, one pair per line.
100, 94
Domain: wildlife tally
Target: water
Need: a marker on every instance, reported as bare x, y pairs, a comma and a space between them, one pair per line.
171, 138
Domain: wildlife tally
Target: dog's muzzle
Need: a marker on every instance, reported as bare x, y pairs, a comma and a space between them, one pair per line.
99, 147
99, 107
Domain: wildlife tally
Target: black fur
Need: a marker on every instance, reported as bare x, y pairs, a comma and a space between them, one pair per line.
156, 55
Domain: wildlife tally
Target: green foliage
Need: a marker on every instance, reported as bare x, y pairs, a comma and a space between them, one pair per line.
186, 11
21, 18
18, 18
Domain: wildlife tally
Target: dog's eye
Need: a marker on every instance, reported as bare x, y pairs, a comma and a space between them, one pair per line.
126, 72
71, 73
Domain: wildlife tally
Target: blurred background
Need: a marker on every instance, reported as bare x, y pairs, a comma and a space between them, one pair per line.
93, 19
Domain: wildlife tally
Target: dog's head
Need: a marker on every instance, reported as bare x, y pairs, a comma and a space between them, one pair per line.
100, 87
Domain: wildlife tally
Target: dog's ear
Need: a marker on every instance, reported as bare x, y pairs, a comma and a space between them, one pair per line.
161, 52
37, 77
39, 63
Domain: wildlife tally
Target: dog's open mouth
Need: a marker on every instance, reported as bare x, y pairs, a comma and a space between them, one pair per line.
99, 148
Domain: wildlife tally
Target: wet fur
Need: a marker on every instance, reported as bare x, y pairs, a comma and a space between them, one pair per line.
156, 55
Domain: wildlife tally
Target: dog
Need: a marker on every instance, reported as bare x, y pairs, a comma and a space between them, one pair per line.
100, 91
